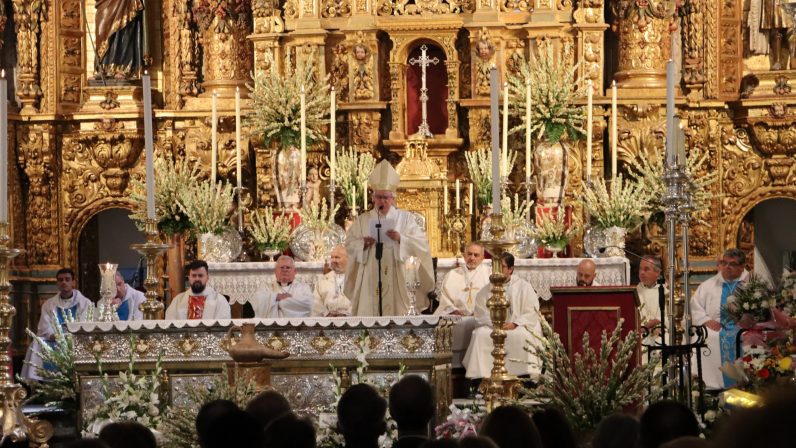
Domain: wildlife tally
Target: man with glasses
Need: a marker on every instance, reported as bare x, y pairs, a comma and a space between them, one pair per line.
706, 307
401, 237
284, 296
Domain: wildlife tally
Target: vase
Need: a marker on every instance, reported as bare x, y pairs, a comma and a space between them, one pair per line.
309, 244
615, 241
248, 348
551, 176
270, 253
219, 248
555, 249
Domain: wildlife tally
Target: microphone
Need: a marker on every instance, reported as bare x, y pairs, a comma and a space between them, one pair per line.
379, 244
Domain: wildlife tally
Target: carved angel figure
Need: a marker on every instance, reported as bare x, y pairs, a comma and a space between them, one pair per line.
288, 177
363, 76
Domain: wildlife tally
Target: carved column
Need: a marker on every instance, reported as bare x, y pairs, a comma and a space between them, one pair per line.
268, 24
694, 44
590, 25
452, 67
397, 69
28, 17
36, 157
308, 15
227, 60
644, 30
187, 52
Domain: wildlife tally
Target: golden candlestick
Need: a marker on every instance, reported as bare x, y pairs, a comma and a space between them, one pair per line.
500, 387
152, 307
15, 425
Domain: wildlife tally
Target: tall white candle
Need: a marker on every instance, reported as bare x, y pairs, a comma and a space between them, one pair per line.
365, 196
3, 148
445, 198
214, 138
458, 195
614, 133
495, 130
505, 168
354, 196
671, 128
589, 123
470, 196
528, 129
238, 149
150, 148
332, 132
303, 137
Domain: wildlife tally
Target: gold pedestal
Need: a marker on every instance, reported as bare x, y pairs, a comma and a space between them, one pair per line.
257, 373
152, 307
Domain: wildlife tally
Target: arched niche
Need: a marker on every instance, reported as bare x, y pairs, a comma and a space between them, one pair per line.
436, 83
765, 233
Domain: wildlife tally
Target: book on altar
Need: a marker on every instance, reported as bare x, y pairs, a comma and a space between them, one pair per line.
386, 224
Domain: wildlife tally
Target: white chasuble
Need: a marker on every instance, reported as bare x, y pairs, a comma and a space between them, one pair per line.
299, 304
460, 287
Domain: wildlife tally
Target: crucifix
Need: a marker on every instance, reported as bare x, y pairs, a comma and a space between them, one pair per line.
424, 61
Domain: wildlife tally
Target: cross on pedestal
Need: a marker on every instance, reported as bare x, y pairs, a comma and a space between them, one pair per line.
424, 61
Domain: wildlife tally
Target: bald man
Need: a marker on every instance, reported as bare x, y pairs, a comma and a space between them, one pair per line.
587, 271
329, 298
284, 296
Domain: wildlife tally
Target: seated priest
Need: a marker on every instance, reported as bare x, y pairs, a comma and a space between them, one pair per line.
459, 289
586, 273
284, 296
201, 301
649, 270
401, 237
522, 328
67, 304
329, 298
128, 300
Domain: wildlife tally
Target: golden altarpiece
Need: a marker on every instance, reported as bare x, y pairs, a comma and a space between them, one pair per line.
77, 142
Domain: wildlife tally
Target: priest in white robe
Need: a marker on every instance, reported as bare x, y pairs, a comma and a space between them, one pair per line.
401, 238
128, 300
522, 329
460, 287
706, 306
649, 270
201, 301
68, 304
283, 296
329, 298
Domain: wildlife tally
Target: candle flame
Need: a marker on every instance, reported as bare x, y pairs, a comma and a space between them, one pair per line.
3, 73
146, 72
302, 90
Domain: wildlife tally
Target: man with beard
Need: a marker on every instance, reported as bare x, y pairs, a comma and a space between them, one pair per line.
285, 296
329, 298
586, 273
202, 301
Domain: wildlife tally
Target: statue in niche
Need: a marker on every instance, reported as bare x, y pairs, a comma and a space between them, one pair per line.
119, 39
363, 76
288, 169
771, 31
313, 194
484, 52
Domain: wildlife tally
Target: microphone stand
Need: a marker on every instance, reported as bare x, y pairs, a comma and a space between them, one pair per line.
379, 253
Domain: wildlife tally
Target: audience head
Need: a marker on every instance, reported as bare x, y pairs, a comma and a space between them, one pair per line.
267, 406
65, 279
127, 435
667, 420
441, 443
285, 269
412, 403
649, 269
554, 429
765, 426
473, 255
511, 427
586, 272
290, 431
121, 286
617, 431
360, 415
234, 429
477, 442
207, 416
198, 275
507, 261
732, 263
687, 442
81, 443
339, 259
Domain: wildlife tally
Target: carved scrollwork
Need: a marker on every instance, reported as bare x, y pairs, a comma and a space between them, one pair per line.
36, 156
188, 52
336, 8
28, 17
339, 71
423, 7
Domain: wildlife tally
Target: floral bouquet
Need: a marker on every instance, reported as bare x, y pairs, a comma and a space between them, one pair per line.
551, 229
353, 169
515, 216
625, 205
479, 165
461, 422
761, 366
317, 216
787, 293
270, 231
172, 179
751, 303
207, 206
59, 384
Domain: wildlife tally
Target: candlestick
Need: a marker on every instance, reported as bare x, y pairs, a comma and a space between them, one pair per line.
470, 197
505, 159
494, 120
614, 134
303, 137
445, 198
528, 128
458, 195
150, 148
3, 148
214, 138
332, 132
589, 123
670, 125
239, 172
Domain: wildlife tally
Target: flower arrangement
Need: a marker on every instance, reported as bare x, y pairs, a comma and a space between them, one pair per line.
179, 426
553, 110
461, 422
479, 165
754, 299
594, 384
207, 206
551, 229
134, 398
515, 216
230, 13
269, 230
762, 365
353, 169
59, 385
276, 105
625, 205
787, 293
172, 179
317, 216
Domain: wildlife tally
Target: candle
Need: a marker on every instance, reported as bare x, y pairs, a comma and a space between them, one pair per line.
589, 123
445, 198
3, 148
495, 129
354, 196
458, 195
237, 139
516, 200
303, 97
365, 196
527, 129
614, 134
505, 168
213, 138
470, 205
150, 148
670, 126
332, 131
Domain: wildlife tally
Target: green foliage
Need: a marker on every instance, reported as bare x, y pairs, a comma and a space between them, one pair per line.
59, 387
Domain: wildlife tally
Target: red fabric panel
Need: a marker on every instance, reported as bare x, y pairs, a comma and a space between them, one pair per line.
437, 85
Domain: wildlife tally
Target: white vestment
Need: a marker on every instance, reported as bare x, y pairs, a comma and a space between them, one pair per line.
361, 284
649, 305
705, 306
299, 304
216, 305
134, 299
524, 311
329, 297
45, 329
459, 290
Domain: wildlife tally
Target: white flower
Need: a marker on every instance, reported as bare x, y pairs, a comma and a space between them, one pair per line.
746, 306
710, 416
